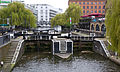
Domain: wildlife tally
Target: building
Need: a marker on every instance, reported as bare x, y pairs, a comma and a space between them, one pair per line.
4, 3
93, 23
90, 6
44, 13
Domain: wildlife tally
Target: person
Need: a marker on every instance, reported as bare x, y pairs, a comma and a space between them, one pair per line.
1, 63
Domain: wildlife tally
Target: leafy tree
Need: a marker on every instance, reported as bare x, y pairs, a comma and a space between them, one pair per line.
18, 15
74, 11
59, 19
113, 23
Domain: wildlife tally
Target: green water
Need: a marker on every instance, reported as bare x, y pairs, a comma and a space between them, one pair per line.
45, 62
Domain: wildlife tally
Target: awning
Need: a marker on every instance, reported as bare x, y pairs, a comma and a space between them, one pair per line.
4, 24
5, 2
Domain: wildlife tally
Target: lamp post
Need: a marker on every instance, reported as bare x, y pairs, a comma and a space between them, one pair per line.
70, 23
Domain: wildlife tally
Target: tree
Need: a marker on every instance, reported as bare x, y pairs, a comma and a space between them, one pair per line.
113, 23
59, 19
74, 11
18, 14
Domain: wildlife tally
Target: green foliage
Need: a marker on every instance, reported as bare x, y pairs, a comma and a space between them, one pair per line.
18, 15
113, 23
74, 11
59, 19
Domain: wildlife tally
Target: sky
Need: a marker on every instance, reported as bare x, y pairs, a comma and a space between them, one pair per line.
63, 4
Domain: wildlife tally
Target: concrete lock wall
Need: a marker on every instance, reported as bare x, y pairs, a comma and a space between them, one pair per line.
98, 48
56, 47
69, 47
4, 51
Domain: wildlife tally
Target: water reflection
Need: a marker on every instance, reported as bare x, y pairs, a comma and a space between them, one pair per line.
43, 62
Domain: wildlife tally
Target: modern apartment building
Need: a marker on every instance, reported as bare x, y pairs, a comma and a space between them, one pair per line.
90, 6
4, 3
44, 13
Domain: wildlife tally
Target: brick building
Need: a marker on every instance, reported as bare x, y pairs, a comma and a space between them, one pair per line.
90, 6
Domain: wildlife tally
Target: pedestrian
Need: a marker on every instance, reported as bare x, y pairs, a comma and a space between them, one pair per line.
1, 63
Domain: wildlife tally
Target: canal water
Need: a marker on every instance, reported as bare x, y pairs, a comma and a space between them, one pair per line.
45, 62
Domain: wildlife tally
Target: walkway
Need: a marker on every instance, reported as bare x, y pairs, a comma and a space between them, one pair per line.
8, 59
80, 34
115, 59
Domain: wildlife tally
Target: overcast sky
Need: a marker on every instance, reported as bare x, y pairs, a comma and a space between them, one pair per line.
63, 4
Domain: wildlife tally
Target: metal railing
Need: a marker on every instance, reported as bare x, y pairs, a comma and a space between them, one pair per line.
4, 39
104, 48
17, 51
76, 37
37, 37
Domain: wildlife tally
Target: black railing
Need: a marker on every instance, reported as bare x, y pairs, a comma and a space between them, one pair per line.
4, 39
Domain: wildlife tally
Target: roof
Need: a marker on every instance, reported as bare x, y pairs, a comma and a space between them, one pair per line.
93, 14
87, 0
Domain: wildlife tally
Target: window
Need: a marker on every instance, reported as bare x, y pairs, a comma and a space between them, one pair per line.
79, 2
95, 7
91, 2
103, 11
91, 11
99, 11
84, 11
103, 3
103, 7
87, 7
99, 7
87, 11
83, 7
91, 7
99, 2
41, 11
95, 11
83, 2
87, 2
95, 2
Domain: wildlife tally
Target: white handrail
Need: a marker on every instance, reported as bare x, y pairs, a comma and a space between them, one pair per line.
109, 42
105, 48
17, 52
